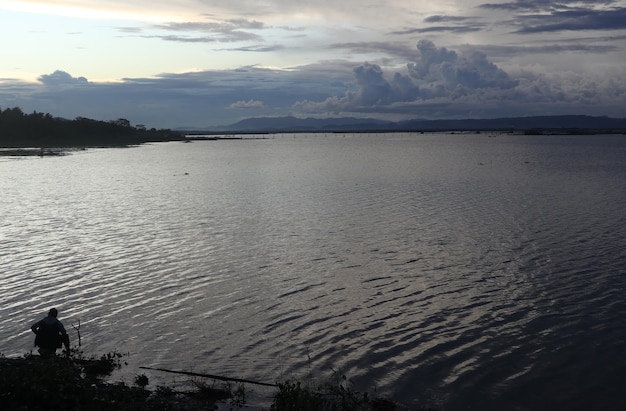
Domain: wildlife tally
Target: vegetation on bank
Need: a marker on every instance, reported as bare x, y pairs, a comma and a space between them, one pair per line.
18, 129
77, 383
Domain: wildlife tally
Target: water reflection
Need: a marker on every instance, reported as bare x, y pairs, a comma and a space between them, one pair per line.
465, 269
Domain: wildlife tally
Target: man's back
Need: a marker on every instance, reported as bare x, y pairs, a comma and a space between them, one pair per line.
49, 333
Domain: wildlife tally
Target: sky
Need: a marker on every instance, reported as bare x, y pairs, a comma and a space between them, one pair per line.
203, 63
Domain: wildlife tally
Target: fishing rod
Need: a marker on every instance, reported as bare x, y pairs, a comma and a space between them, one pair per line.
215, 377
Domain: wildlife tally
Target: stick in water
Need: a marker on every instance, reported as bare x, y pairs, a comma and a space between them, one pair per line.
215, 377
78, 331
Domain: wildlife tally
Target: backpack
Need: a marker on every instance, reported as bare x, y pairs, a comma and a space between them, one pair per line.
48, 336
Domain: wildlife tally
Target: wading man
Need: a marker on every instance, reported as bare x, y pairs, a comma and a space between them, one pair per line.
50, 335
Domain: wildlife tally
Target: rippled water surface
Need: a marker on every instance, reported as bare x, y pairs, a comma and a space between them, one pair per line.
455, 271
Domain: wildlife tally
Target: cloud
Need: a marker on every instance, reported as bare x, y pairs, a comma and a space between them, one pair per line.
256, 48
433, 82
540, 5
441, 19
225, 26
553, 15
443, 82
452, 24
185, 39
231, 30
432, 29
577, 19
552, 49
191, 99
129, 29
392, 49
440, 67
60, 78
373, 90
242, 104
437, 73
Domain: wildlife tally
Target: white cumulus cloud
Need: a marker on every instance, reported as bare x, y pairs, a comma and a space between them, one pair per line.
256, 104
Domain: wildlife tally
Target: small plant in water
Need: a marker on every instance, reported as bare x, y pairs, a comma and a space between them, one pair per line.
141, 380
335, 395
105, 365
237, 393
292, 396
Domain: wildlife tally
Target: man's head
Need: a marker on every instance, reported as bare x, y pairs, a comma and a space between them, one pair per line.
53, 313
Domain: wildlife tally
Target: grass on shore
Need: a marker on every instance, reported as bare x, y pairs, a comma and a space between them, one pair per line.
78, 383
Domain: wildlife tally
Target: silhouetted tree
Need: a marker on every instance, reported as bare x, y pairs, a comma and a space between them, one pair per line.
42, 130
122, 122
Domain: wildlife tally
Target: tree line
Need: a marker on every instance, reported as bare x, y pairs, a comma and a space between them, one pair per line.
18, 129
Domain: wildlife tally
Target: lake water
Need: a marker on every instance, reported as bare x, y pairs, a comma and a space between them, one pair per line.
478, 272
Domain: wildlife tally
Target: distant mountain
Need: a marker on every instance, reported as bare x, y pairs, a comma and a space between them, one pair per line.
561, 124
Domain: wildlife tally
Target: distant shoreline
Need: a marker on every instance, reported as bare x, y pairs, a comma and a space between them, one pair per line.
209, 135
50, 134
32, 152
29, 150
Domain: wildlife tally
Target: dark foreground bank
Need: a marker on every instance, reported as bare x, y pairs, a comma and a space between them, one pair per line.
79, 383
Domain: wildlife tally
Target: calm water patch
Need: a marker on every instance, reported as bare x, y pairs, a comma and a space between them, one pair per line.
456, 271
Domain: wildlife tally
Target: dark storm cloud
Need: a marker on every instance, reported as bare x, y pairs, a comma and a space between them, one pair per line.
576, 19
373, 90
452, 24
444, 19
553, 15
448, 69
447, 83
437, 73
512, 51
541, 5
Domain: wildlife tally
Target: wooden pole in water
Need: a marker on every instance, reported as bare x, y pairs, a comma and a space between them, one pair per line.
78, 331
215, 377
